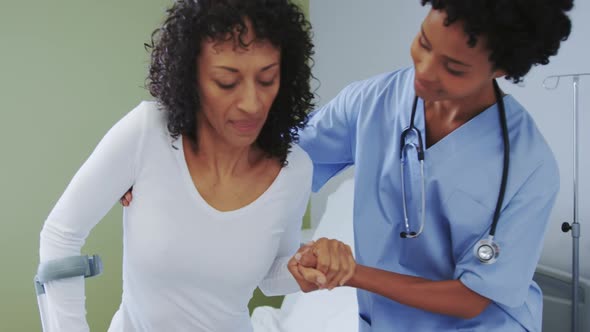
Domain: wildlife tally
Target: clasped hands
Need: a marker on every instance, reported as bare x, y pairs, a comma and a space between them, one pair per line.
322, 264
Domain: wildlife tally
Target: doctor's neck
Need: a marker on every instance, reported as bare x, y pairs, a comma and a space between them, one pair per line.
464, 108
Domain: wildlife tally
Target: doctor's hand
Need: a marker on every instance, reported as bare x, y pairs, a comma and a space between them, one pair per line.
127, 197
331, 257
308, 278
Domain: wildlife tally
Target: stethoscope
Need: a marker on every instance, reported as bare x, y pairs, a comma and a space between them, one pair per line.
486, 250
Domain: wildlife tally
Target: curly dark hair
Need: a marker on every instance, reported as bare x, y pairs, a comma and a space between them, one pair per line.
176, 45
519, 33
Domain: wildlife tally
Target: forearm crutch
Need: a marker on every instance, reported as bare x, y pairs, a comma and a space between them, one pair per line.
68, 267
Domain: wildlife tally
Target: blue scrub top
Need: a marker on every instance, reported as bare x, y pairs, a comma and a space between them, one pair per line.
362, 127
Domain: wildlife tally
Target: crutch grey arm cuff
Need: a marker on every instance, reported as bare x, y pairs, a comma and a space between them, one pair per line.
68, 267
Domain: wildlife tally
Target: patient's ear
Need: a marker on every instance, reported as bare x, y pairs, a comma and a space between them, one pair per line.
498, 73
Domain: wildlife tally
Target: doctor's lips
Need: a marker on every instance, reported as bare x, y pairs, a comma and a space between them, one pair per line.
423, 86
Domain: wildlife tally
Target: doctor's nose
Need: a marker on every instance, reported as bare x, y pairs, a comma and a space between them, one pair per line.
426, 70
250, 99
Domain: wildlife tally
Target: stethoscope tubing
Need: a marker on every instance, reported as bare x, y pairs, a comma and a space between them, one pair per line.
489, 241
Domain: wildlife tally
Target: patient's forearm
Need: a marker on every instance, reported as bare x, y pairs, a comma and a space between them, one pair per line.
448, 297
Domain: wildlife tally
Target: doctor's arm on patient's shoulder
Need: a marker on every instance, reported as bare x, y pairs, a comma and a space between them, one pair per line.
334, 267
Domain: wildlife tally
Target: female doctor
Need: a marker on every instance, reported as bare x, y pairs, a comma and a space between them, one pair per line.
454, 183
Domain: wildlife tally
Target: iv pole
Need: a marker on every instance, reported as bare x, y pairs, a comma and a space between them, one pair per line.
575, 225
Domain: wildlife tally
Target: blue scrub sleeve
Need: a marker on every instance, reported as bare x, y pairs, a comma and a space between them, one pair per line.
330, 134
520, 233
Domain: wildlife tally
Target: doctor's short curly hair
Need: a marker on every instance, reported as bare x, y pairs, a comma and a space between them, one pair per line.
519, 33
176, 45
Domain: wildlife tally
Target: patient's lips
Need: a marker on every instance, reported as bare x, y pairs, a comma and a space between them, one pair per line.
246, 126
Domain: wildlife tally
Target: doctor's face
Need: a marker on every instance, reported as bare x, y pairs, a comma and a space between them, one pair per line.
446, 67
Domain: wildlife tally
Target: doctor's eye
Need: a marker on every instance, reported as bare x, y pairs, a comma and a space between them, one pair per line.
423, 43
455, 72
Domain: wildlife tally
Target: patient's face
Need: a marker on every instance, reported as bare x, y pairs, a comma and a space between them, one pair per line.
237, 86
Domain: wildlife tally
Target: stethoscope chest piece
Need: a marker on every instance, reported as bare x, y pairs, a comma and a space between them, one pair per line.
486, 250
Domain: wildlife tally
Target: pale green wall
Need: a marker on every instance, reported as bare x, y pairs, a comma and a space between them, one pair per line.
68, 71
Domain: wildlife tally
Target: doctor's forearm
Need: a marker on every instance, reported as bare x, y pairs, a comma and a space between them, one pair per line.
448, 297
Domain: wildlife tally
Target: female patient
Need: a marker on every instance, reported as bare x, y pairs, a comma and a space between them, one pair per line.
219, 187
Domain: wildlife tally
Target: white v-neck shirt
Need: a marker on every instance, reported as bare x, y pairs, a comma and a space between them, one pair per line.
186, 265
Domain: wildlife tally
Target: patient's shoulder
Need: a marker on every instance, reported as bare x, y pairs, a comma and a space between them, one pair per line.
299, 161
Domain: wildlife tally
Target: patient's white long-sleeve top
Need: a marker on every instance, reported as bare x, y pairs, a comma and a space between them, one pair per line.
186, 265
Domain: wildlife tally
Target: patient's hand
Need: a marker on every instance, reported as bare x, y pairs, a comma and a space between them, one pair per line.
127, 197
308, 278
330, 257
